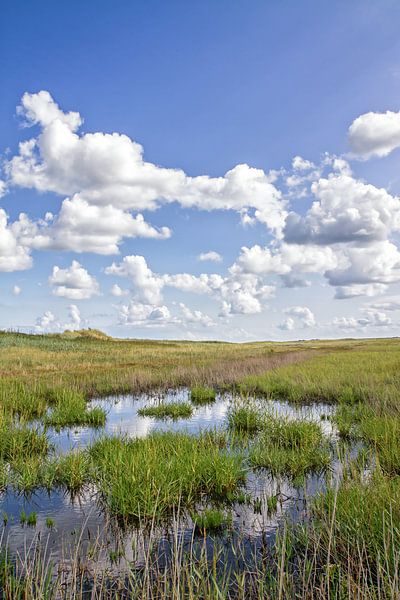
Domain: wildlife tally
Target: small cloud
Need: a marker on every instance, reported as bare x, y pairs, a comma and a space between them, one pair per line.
117, 291
16, 290
211, 255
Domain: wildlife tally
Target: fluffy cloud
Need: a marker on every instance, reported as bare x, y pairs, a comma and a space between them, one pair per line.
345, 210
301, 164
147, 286
48, 322
390, 304
300, 314
109, 169
370, 319
286, 259
375, 134
40, 109
211, 256
74, 282
377, 263
117, 291
144, 315
14, 256
195, 316
82, 227
148, 316
238, 293
16, 290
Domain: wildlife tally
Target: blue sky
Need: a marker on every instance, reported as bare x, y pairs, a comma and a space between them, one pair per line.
301, 247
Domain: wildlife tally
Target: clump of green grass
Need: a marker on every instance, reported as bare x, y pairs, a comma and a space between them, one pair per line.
50, 523
71, 409
73, 470
272, 504
31, 521
27, 474
167, 410
3, 474
246, 419
291, 448
149, 477
19, 441
211, 520
202, 395
360, 521
70, 472
383, 433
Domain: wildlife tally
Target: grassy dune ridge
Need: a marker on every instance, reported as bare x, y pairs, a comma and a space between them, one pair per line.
346, 547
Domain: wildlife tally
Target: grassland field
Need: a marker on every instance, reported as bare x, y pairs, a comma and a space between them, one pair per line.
347, 546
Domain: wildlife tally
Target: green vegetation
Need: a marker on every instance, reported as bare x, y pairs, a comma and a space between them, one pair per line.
291, 448
172, 410
211, 520
147, 478
202, 395
246, 418
348, 544
360, 520
70, 409
18, 441
32, 519
50, 523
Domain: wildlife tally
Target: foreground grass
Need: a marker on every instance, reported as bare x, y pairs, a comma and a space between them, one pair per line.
148, 478
348, 547
359, 521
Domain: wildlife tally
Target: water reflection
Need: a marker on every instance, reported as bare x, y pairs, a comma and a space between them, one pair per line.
81, 517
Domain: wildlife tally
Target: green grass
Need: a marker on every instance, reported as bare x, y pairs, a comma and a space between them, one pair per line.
148, 478
211, 520
383, 433
292, 448
70, 409
246, 418
69, 471
200, 395
167, 410
18, 441
347, 547
50, 523
361, 520
31, 520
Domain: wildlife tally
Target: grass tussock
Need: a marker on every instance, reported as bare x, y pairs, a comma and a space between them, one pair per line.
148, 478
19, 441
200, 395
292, 448
69, 408
211, 520
167, 410
246, 418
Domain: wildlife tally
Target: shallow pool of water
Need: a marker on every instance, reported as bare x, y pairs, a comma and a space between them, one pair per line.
123, 417
81, 518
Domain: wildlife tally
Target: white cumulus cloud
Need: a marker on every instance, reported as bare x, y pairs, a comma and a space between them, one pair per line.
375, 134
73, 282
